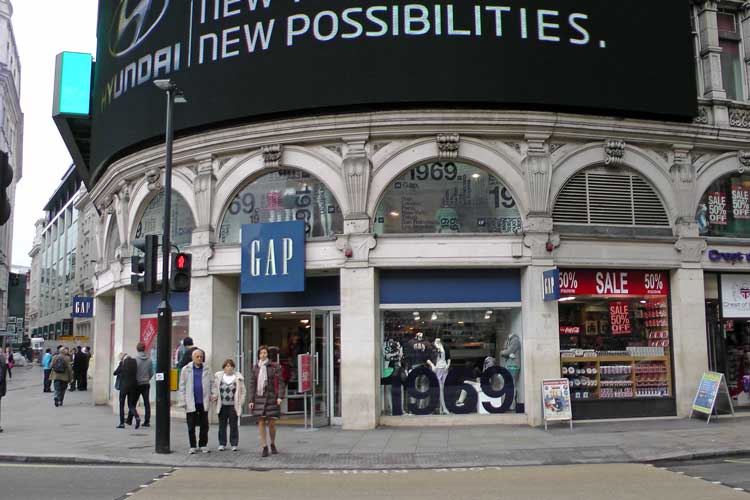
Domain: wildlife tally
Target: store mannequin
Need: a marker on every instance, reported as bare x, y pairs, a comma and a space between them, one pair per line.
440, 367
393, 354
511, 357
420, 351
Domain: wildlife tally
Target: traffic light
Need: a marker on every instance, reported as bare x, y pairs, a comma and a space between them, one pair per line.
6, 177
179, 279
144, 267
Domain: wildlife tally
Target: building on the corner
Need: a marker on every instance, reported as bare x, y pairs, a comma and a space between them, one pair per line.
11, 138
61, 265
435, 188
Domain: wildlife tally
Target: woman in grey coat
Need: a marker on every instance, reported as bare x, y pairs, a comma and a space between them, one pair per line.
265, 390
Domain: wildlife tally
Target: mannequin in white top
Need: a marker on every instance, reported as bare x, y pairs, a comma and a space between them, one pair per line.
440, 367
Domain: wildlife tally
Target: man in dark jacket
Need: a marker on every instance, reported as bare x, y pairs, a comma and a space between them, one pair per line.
187, 354
83, 369
75, 355
128, 372
143, 379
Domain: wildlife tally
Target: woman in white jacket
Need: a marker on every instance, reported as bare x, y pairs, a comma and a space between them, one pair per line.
228, 391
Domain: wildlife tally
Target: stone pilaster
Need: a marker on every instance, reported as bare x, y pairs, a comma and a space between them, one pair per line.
710, 51
202, 242
356, 168
127, 323
103, 355
537, 166
683, 178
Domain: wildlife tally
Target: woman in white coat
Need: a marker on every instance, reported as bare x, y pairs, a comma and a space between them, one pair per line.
228, 391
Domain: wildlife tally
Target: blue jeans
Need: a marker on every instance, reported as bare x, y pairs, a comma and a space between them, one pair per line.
60, 387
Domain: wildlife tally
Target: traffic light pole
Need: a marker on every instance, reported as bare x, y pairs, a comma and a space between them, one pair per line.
164, 335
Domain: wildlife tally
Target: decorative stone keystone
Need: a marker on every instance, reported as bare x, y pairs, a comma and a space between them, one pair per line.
272, 155
614, 151
448, 146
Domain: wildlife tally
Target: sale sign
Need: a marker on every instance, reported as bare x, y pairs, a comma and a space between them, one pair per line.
613, 283
717, 208
304, 374
740, 202
619, 318
149, 328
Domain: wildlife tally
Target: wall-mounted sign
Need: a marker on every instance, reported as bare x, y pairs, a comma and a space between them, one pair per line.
596, 45
730, 257
273, 257
551, 285
83, 307
149, 329
735, 295
613, 283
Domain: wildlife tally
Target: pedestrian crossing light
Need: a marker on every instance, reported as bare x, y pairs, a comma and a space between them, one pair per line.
180, 270
144, 266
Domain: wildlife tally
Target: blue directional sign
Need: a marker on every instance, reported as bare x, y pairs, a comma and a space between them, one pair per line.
273, 257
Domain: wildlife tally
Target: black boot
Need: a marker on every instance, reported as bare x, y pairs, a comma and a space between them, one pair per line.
265, 452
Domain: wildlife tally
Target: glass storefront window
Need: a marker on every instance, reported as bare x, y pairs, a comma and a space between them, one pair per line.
180, 330
438, 362
152, 220
447, 197
724, 209
615, 334
283, 195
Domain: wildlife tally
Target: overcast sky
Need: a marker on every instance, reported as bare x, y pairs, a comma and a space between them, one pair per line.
43, 28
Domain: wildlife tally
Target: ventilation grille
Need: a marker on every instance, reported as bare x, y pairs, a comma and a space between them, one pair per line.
609, 199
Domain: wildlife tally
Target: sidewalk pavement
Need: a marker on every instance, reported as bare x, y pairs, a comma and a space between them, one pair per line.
79, 432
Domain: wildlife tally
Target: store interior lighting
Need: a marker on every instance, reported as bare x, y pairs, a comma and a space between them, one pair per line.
434, 316
395, 214
566, 299
475, 176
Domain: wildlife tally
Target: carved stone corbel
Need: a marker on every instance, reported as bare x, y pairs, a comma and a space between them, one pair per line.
447, 145
356, 248
272, 155
201, 255
203, 187
691, 249
614, 152
153, 179
743, 157
538, 167
357, 169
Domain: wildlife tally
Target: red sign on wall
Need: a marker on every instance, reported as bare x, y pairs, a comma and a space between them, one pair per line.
149, 327
609, 282
619, 318
570, 330
304, 374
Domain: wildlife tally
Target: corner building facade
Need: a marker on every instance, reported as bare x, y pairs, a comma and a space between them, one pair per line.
439, 224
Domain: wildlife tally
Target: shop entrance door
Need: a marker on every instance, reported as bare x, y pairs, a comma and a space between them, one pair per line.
287, 335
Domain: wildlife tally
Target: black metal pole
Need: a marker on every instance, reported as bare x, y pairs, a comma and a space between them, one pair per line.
164, 335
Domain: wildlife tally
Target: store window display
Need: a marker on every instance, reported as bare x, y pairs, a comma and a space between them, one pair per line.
615, 335
447, 197
284, 195
152, 220
439, 362
724, 209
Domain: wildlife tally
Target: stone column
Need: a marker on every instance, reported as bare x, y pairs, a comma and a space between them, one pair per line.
103, 355
213, 317
710, 54
689, 346
541, 339
360, 380
127, 322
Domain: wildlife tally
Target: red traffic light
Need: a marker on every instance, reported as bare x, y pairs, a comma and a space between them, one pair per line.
180, 261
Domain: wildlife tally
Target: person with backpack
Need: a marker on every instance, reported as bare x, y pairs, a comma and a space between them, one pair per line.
61, 375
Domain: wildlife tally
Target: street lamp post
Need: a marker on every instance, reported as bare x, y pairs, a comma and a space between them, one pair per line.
164, 313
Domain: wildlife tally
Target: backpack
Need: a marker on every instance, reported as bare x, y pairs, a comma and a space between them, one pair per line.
58, 365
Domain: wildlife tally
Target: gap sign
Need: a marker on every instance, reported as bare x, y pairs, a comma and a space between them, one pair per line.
551, 285
273, 257
83, 307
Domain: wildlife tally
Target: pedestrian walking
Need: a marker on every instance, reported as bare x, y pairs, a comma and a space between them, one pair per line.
3, 381
187, 353
128, 373
61, 374
122, 395
195, 394
9, 360
47, 367
143, 379
83, 369
75, 355
229, 395
265, 393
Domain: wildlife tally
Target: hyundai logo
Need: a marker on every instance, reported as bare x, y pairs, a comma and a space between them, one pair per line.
132, 22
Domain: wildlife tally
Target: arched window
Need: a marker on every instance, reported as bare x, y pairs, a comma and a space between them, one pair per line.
113, 241
609, 197
279, 196
152, 220
724, 209
446, 197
